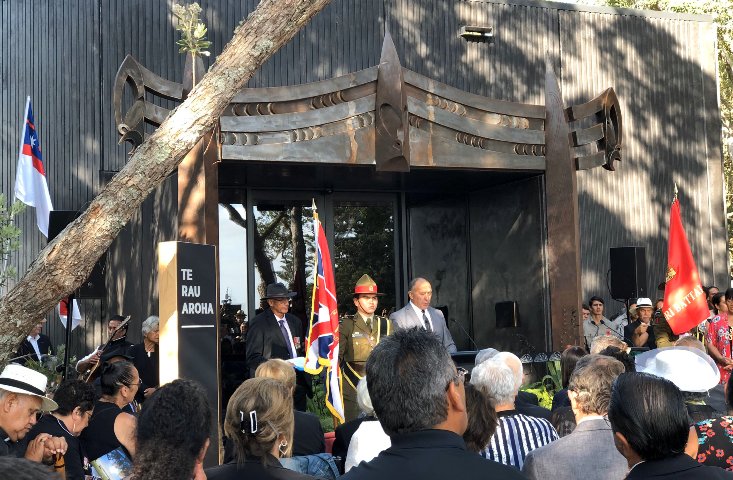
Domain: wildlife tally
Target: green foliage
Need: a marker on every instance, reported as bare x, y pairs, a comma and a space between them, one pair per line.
317, 404
193, 31
550, 384
722, 12
364, 243
48, 367
9, 237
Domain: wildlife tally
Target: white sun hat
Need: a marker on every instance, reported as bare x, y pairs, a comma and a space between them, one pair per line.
691, 369
20, 379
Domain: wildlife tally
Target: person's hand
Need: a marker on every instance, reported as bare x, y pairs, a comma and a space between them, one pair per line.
643, 327
94, 359
148, 392
44, 447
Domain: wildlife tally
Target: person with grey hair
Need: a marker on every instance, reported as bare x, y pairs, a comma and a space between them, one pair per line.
589, 451
145, 358
524, 402
523, 398
369, 439
517, 434
418, 394
419, 314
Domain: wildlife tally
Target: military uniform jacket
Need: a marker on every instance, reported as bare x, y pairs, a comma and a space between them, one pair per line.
356, 342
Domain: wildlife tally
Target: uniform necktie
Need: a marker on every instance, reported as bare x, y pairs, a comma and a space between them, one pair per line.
369, 323
426, 322
286, 337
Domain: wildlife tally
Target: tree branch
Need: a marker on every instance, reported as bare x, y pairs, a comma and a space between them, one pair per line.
66, 262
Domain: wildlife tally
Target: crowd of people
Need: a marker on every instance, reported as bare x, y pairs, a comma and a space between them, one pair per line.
636, 401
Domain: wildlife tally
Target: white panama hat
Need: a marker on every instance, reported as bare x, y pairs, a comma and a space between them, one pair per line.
19, 379
691, 369
641, 302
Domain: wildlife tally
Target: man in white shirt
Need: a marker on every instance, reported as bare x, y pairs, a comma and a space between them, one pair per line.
35, 346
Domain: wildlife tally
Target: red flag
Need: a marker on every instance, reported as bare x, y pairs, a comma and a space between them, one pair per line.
685, 305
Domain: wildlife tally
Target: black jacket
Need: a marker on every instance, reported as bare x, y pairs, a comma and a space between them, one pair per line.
680, 467
307, 435
428, 455
252, 469
44, 346
265, 339
147, 366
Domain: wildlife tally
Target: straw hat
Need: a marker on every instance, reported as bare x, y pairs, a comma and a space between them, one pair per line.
641, 303
20, 379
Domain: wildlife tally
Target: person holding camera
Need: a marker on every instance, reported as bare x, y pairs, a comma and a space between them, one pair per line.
641, 332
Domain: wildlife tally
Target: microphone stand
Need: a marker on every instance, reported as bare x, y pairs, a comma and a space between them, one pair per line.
613, 330
453, 320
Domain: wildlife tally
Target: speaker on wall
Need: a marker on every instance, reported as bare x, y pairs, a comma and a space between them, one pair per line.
94, 286
507, 314
628, 272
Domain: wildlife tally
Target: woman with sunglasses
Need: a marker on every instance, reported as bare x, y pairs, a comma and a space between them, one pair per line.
111, 432
76, 402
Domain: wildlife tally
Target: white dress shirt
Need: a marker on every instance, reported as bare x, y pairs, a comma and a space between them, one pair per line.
419, 314
34, 343
290, 334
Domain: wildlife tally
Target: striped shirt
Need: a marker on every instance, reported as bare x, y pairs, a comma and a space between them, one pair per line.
516, 436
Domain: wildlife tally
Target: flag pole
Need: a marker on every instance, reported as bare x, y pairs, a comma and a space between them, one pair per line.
69, 322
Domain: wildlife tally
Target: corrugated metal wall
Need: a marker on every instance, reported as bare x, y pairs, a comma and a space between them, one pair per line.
65, 55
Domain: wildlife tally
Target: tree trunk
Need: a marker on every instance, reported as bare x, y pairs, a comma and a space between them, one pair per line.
66, 262
298, 244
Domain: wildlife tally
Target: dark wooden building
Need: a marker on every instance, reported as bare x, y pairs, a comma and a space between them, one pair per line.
479, 236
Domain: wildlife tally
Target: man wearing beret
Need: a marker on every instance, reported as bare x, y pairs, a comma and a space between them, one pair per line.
358, 334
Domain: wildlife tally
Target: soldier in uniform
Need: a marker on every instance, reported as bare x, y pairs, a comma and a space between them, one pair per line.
358, 334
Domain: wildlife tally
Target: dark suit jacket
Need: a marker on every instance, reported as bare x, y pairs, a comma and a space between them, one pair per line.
651, 342
265, 340
44, 345
407, 318
430, 455
680, 467
531, 410
252, 469
307, 435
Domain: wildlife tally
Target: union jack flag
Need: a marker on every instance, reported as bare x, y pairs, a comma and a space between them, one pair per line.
323, 337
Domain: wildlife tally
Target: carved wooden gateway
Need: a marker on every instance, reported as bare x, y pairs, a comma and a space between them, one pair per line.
397, 120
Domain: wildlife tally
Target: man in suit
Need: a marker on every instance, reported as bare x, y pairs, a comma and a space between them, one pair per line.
34, 346
275, 333
419, 313
650, 427
419, 397
589, 452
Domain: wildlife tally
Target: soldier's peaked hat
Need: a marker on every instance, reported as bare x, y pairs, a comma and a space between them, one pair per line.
366, 286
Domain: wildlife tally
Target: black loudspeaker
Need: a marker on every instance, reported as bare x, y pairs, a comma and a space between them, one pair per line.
628, 272
507, 314
94, 286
